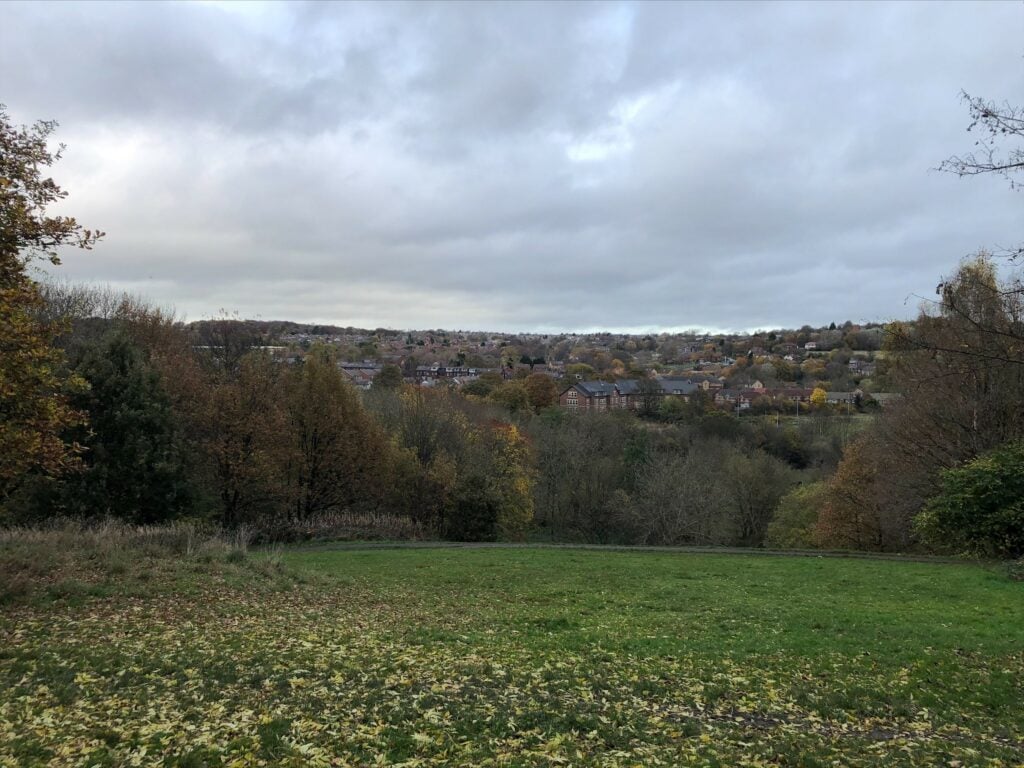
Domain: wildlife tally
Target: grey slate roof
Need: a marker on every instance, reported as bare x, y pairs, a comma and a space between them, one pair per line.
596, 388
678, 386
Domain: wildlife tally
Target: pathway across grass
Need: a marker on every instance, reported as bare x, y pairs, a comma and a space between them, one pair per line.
525, 657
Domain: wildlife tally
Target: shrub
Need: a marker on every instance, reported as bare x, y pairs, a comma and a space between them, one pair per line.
796, 516
980, 507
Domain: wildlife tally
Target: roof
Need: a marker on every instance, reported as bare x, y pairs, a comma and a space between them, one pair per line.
840, 395
628, 386
678, 386
596, 388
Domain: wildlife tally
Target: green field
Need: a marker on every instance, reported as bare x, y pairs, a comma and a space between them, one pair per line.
520, 657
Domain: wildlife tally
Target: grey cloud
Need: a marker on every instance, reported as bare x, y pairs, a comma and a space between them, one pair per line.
521, 165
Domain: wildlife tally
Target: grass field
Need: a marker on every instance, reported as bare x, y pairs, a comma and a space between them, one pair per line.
523, 657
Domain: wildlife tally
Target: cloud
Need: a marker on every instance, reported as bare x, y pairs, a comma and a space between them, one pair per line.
520, 165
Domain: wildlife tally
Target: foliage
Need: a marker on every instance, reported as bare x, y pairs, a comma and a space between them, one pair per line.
796, 516
964, 396
493, 499
853, 511
716, 494
581, 467
980, 506
541, 390
134, 465
819, 397
512, 394
756, 482
239, 420
33, 405
339, 458
390, 377
681, 500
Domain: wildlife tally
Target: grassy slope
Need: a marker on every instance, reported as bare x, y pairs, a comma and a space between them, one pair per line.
530, 657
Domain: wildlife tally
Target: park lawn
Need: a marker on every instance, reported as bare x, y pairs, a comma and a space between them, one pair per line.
524, 657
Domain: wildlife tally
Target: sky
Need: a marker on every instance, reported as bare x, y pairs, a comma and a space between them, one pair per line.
523, 167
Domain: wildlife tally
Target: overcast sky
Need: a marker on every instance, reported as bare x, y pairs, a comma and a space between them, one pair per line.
559, 166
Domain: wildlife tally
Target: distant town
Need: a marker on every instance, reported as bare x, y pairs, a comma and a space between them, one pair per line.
841, 365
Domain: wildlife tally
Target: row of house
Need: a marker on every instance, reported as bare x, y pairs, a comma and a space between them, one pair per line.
628, 394
631, 394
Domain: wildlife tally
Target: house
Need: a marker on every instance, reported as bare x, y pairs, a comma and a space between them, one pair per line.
792, 394
360, 378
842, 398
681, 387
627, 394
885, 399
811, 345
588, 396
737, 398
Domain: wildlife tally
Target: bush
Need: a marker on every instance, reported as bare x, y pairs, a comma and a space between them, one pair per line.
980, 507
796, 516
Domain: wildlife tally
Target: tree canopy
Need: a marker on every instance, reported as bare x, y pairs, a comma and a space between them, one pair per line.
34, 410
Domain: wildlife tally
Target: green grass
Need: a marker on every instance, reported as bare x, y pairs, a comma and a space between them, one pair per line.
527, 657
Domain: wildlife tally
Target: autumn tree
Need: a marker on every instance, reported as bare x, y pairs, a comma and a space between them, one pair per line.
240, 424
795, 517
339, 457
512, 394
756, 482
819, 397
541, 390
34, 409
853, 509
492, 498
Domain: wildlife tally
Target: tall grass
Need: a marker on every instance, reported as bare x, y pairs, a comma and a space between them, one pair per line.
71, 557
342, 526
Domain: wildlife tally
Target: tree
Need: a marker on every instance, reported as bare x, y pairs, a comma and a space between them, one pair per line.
756, 482
996, 123
134, 457
339, 457
512, 394
493, 494
796, 516
34, 408
240, 422
851, 517
541, 390
819, 397
649, 395
684, 500
980, 506
390, 377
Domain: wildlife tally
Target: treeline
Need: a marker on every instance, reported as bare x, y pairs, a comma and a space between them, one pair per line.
225, 433
163, 428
